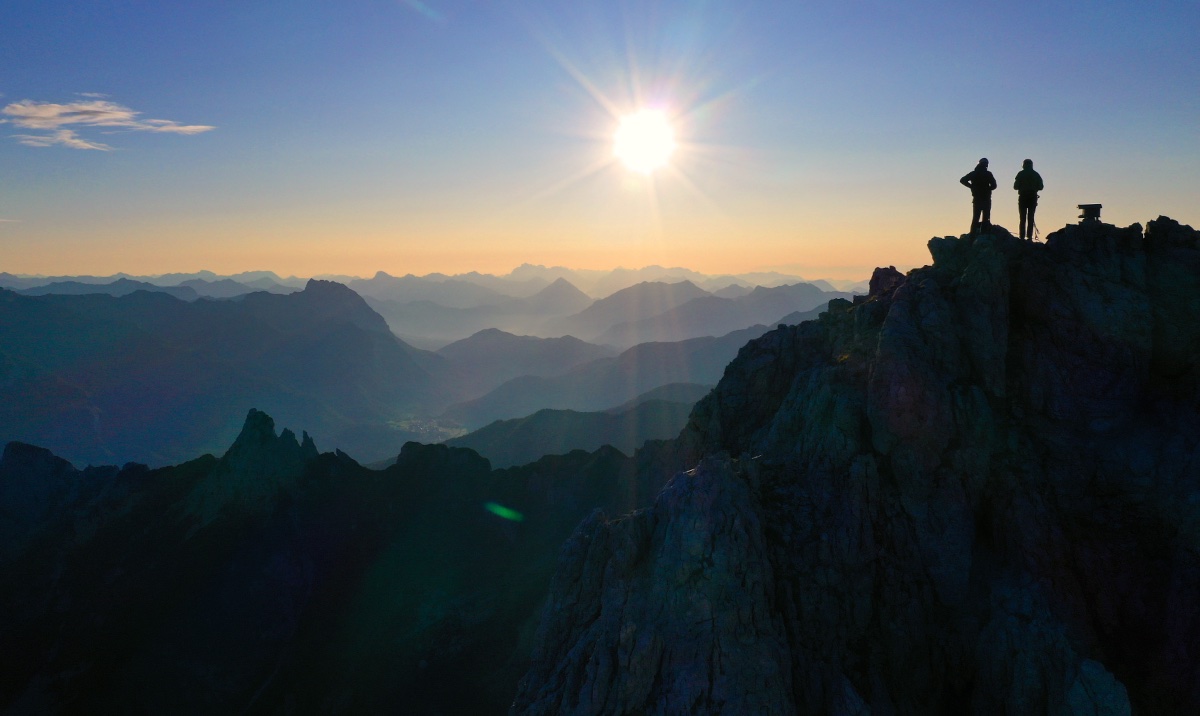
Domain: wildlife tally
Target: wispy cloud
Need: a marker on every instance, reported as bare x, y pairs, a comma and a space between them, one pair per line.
65, 137
60, 124
94, 95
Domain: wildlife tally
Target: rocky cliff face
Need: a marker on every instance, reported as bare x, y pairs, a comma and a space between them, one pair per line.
976, 490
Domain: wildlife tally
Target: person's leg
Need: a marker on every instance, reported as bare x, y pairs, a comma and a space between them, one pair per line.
987, 214
1032, 210
1021, 208
976, 212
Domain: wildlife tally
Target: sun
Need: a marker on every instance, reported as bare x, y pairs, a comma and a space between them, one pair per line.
644, 141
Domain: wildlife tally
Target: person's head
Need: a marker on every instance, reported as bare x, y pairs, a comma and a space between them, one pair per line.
983, 163
1027, 164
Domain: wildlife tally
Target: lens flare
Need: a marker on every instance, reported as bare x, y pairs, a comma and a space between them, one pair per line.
506, 512
644, 141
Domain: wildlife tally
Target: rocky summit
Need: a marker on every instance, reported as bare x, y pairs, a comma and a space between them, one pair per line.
974, 491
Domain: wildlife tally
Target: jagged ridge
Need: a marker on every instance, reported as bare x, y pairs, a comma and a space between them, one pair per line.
976, 490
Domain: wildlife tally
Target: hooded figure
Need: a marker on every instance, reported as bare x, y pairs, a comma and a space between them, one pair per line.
1028, 183
981, 183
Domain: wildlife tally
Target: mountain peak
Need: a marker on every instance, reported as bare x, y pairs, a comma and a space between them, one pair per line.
333, 288
985, 461
256, 468
560, 296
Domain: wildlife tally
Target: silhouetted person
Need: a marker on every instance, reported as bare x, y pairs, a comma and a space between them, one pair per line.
1028, 183
981, 183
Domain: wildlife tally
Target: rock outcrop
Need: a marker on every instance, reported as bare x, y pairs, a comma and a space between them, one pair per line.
975, 490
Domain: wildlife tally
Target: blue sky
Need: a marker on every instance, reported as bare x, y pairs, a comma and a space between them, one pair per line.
347, 137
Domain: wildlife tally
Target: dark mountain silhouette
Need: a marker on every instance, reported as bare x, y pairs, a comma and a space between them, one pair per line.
491, 357
715, 316
148, 377
630, 304
275, 578
555, 432
120, 287
607, 382
972, 491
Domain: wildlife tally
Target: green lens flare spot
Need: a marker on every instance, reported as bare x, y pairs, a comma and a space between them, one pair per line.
505, 512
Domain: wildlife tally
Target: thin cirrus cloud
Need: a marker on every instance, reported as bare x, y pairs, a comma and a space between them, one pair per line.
60, 124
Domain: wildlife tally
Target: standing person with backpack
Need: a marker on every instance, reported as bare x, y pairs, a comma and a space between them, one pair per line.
1028, 183
981, 183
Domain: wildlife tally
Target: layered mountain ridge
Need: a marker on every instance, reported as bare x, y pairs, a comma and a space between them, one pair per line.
148, 377
976, 490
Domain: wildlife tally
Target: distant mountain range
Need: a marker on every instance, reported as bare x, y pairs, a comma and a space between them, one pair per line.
120, 287
644, 312
710, 315
104, 369
643, 300
188, 290
148, 377
521, 282
607, 382
621, 307
256, 280
491, 357
606, 283
427, 320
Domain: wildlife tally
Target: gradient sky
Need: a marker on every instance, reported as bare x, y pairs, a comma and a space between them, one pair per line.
822, 138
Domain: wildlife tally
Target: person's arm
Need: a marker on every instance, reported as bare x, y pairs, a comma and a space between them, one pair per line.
992, 180
966, 181
1017, 182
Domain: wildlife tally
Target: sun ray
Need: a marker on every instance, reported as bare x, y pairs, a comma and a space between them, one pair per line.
571, 69
565, 183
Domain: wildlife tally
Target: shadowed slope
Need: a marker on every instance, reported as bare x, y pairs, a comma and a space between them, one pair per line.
607, 382
277, 578
555, 432
971, 492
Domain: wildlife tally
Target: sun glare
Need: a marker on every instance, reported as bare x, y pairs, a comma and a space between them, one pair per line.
644, 140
